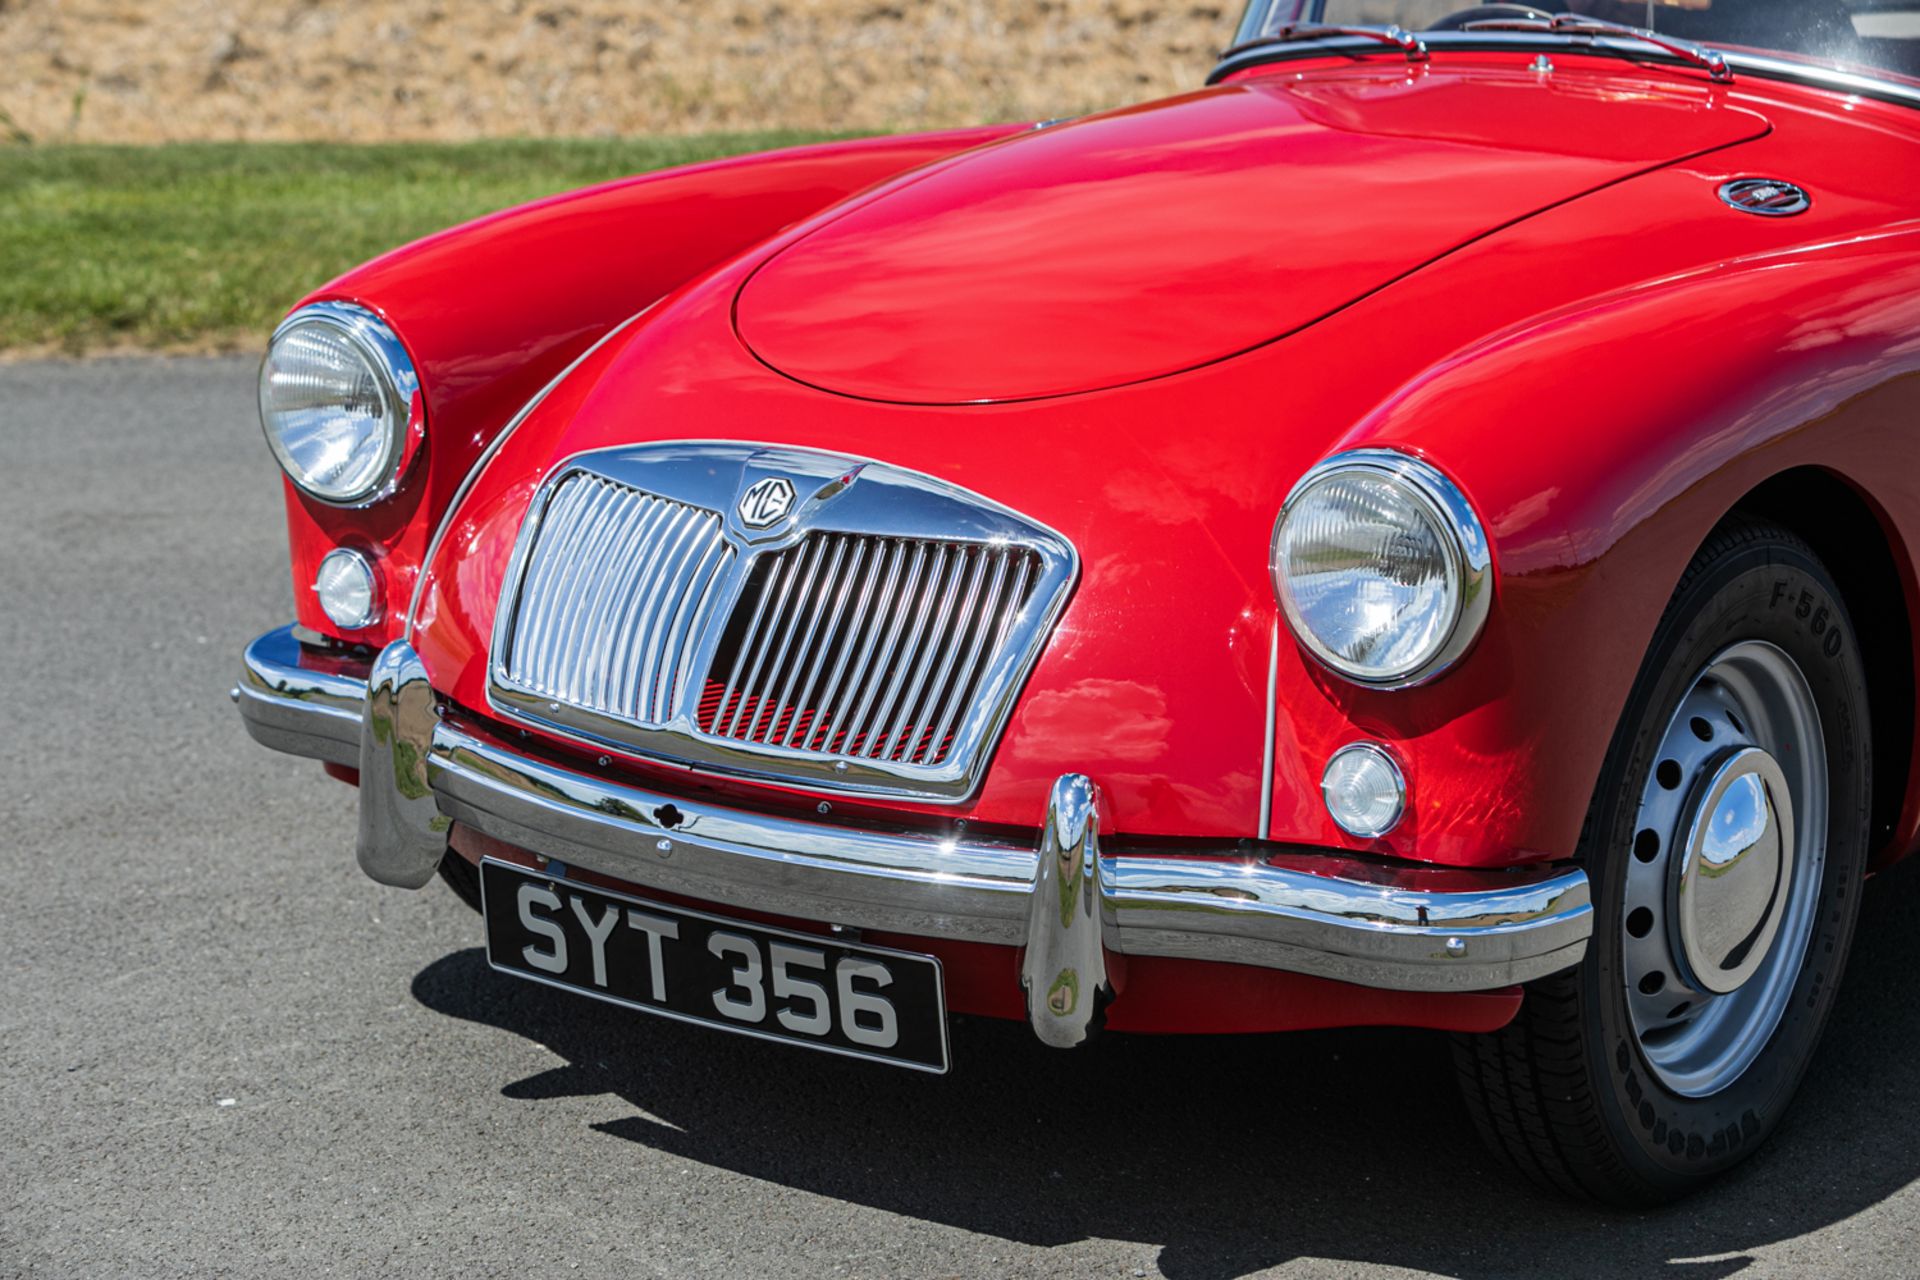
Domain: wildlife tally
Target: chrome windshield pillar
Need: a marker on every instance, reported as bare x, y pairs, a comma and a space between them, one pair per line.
1064, 969
403, 834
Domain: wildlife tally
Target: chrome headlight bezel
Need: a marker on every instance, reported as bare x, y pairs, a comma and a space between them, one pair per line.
1464, 541
404, 419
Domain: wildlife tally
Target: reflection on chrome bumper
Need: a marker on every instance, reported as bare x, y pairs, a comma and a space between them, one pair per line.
294, 701
1377, 926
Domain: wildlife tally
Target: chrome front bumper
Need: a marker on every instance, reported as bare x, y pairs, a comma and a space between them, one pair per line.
1069, 902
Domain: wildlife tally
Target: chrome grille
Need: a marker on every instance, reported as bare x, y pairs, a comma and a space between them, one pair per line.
864, 647
614, 596
867, 634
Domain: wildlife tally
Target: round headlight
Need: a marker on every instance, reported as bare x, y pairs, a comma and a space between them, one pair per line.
1381, 567
338, 399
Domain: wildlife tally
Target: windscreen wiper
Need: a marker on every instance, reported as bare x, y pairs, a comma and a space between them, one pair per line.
1573, 24
1399, 37
1566, 24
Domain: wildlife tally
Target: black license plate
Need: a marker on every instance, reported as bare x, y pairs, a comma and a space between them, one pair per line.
798, 988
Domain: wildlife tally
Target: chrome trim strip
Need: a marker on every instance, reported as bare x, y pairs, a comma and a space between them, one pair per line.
1373, 925
1770, 68
296, 709
486, 455
1273, 725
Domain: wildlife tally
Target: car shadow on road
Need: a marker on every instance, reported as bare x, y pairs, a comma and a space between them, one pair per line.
1227, 1154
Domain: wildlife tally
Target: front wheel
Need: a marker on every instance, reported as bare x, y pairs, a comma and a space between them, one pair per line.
1727, 842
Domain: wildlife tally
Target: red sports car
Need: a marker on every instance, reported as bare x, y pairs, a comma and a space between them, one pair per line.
1420, 530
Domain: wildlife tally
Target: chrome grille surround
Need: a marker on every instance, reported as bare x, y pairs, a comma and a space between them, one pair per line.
870, 642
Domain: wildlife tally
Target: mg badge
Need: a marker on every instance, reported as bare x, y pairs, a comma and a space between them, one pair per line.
766, 502
1767, 197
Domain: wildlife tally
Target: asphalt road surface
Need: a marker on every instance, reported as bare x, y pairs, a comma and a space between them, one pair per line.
224, 1051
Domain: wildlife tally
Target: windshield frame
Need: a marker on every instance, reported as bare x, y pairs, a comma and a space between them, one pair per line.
1248, 50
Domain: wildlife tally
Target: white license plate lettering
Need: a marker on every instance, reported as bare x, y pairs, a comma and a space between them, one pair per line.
799, 992
597, 929
866, 1018
547, 961
658, 930
742, 999
830, 993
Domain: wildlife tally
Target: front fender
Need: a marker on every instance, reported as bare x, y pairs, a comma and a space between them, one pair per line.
1601, 470
491, 310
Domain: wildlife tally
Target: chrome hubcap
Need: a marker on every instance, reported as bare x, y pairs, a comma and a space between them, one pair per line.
1724, 874
1727, 897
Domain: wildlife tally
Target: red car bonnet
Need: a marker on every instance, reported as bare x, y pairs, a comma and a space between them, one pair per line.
1156, 239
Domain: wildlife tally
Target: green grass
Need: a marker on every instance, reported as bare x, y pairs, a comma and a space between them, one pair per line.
205, 244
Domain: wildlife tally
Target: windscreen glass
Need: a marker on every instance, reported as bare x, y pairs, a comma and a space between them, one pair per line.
1882, 35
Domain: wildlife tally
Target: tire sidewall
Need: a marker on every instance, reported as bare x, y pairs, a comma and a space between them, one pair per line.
1771, 590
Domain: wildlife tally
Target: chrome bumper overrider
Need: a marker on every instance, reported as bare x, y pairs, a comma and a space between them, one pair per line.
1070, 903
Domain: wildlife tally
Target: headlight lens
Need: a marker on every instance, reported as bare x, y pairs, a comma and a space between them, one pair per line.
349, 589
338, 401
1381, 567
1364, 790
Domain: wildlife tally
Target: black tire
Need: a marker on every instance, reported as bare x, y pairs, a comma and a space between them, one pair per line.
462, 877
1566, 1092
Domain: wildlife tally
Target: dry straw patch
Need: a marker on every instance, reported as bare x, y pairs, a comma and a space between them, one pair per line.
171, 70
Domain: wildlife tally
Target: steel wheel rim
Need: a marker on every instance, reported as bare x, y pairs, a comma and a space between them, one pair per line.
1750, 711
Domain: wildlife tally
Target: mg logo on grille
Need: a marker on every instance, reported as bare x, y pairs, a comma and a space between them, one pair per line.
766, 502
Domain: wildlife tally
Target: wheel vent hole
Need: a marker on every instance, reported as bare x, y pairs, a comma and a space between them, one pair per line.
1701, 728
1680, 1010
1640, 922
1734, 720
1668, 775
1646, 845
1653, 984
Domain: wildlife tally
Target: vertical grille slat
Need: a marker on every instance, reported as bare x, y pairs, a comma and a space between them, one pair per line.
869, 622
765, 646
997, 616
732, 689
866, 647
669, 588
580, 605
872, 678
816, 551
615, 582
530, 635
698, 598
832, 612
585, 526
928, 623
624, 673
600, 668
917, 712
